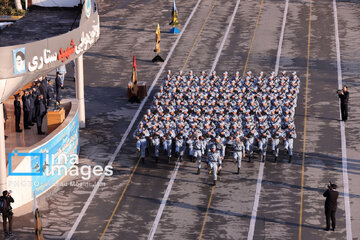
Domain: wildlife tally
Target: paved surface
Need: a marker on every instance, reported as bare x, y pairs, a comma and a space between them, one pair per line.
127, 28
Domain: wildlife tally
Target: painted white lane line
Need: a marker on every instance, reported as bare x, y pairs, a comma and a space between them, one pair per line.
342, 129
281, 37
163, 201
173, 176
225, 37
262, 164
113, 156
256, 202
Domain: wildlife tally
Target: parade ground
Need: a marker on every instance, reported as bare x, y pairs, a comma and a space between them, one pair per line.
268, 200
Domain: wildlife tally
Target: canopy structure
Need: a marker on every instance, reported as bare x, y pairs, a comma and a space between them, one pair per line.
56, 3
52, 34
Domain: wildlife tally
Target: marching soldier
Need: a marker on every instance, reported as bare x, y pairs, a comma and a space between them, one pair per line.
262, 138
276, 133
239, 152
290, 135
214, 162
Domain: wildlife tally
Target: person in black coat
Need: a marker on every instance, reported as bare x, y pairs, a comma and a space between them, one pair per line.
331, 205
5, 118
17, 112
40, 113
58, 86
344, 97
7, 212
26, 109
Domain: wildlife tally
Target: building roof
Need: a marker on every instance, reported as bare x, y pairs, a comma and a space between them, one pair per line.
40, 23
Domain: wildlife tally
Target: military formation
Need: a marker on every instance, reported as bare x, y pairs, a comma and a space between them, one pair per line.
209, 116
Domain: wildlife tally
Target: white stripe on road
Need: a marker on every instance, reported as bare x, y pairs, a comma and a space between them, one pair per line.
81, 215
281, 38
168, 190
225, 37
342, 129
163, 201
262, 164
256, 201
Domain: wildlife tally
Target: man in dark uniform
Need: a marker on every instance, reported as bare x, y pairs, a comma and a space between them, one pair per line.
17, 112
5, 118
58, 86
26, 109
7, 213
330, 205
344, 97
40, 113
50, 95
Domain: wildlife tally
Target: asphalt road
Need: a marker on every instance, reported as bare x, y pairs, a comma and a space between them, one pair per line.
194, 209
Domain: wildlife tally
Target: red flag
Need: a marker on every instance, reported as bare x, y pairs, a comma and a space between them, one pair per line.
134, 63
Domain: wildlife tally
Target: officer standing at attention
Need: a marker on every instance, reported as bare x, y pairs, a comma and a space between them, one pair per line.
17, 112
5, 118
26, 109
344, 97
40, 111
58, 86
330, 206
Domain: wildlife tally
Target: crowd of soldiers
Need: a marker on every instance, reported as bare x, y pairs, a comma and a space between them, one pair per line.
206, 114
35, 102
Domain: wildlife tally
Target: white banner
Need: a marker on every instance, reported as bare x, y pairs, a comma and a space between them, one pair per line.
56, 3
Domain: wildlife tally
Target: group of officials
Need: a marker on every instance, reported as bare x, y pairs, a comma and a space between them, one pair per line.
205, 114
35, 102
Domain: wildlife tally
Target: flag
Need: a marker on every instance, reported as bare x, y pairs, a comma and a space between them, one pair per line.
157, 39
134, 85
174, 16
38, 225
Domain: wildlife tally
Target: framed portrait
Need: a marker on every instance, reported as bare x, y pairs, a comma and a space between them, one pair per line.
19, 60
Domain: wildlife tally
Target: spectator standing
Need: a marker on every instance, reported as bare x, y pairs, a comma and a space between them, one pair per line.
344, 98
26, 108
5, 118
331, 205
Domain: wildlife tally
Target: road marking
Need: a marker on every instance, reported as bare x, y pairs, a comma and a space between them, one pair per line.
305, 120
121, 197
262, 164
256, 202
163, 201
198, 35
253, 37
168, 190
342, 129
225, 37
112, 159
207, 211
281, 37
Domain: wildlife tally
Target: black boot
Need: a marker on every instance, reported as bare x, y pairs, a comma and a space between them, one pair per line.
142, 160
214, 183
169, 158
290, 159
275, 158
249, 158
238, 171
180, 158
198, 171
156, 159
